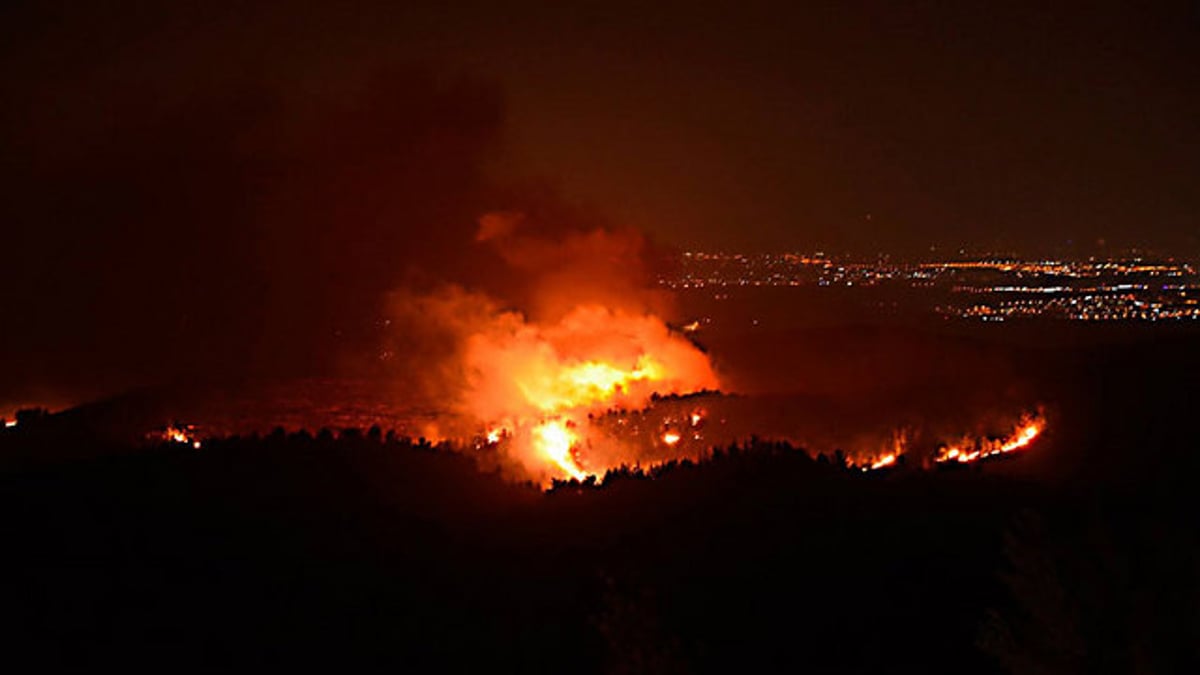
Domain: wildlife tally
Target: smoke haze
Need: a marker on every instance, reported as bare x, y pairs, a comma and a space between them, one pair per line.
176, 210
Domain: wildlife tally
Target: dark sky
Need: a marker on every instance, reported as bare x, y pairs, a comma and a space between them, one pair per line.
949, 123
190, 183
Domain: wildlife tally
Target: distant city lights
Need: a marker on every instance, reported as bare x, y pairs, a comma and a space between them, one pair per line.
1129, 289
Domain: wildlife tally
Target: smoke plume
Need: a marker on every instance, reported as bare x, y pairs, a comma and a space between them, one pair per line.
580, 333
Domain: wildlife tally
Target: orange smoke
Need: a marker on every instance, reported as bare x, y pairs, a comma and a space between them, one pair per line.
594, 341
590, 337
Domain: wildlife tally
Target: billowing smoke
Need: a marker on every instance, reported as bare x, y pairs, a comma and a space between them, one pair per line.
561, 266
581, 334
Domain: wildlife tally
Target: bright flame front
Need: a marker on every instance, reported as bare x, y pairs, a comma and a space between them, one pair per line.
554, 440
970, 450
536, 385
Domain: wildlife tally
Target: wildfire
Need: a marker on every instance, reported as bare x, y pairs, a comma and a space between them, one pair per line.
534, 385
554, 440
181, 434
538, 390
590, 381
966, 451
897, 447
886, 460
589, 339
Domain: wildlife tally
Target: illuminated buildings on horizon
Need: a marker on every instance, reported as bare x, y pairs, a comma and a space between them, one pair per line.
986, 289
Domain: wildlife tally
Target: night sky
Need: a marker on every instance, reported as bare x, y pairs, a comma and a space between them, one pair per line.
188, 184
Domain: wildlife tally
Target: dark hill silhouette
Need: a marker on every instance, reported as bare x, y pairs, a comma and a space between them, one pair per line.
362, 551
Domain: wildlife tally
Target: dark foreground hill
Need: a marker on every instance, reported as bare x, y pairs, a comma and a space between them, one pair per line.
363, 553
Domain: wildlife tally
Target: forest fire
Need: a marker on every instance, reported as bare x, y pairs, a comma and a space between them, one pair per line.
181, 434
589, 337
554, 440
971, 450
966, 450
575, 382
535, 386
886, 460
896, 448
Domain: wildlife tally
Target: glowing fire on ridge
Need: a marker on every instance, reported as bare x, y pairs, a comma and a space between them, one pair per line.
1028, 429
966, 450
898, 446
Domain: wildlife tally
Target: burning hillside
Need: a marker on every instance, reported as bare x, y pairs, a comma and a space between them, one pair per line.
582, 334
970, 449
573, 369
535, 388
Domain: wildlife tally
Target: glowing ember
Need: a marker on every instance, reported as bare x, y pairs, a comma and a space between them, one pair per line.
10, 423
670, 438
183, 435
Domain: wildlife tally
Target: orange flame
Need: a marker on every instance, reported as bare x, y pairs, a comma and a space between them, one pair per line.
554, 439
899, 445
1027, 431
181, 435
886, 460
537, 383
